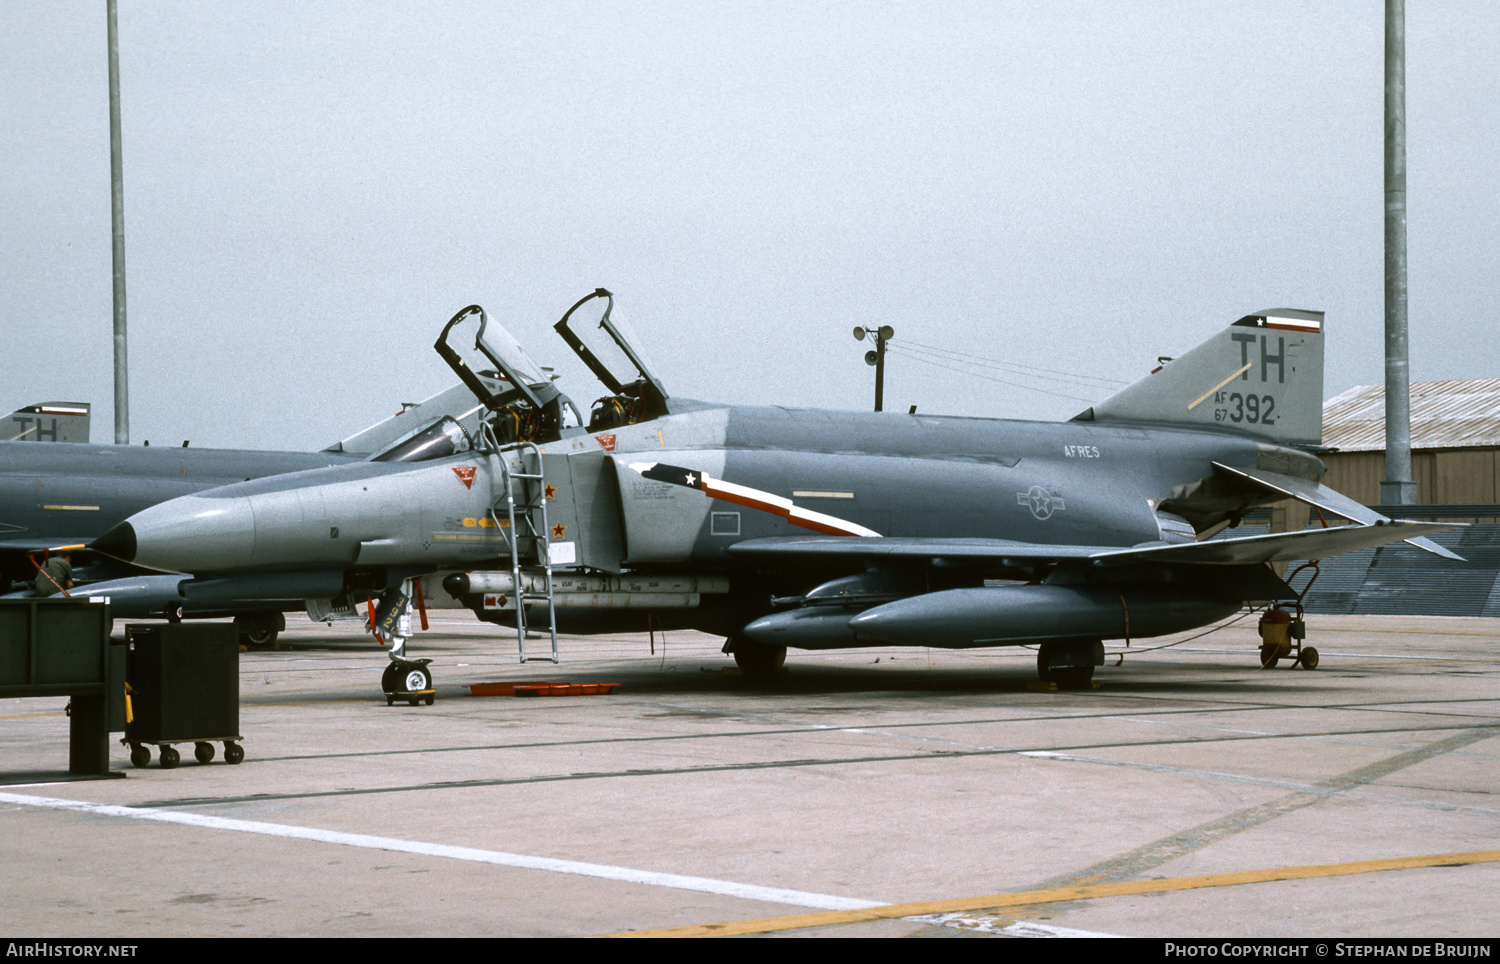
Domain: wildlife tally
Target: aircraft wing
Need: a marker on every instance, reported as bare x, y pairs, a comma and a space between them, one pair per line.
1242, 550
898, 546
1280, 546
1322, 497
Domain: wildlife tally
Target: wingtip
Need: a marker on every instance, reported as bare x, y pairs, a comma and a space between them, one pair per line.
1422, 542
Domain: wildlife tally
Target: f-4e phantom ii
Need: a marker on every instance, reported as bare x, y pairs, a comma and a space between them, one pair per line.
55, 497
804, 528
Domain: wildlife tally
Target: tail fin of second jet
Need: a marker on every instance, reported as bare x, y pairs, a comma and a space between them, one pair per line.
47, 422
1263, 375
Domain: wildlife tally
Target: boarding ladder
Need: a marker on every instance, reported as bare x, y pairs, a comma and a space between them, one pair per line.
527, 528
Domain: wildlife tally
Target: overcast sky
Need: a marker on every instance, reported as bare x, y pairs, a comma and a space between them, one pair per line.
311, 190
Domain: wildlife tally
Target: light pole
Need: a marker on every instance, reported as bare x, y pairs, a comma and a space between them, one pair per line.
117, 223
877, 357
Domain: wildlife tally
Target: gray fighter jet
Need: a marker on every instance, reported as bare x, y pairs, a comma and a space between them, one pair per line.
64, 496
802, 528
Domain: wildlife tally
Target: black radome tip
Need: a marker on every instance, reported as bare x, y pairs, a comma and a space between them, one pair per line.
118, 543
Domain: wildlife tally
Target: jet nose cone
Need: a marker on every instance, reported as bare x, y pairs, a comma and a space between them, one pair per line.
191, 533
118, 543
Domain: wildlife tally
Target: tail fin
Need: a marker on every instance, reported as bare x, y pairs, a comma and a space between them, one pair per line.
47, 422
1263, 375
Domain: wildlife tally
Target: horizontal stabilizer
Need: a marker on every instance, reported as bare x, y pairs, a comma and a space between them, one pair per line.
1329, 500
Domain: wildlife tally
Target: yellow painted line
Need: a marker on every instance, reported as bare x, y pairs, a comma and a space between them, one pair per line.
1199, 400
768, 925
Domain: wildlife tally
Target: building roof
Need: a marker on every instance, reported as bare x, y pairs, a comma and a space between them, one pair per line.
1444, 415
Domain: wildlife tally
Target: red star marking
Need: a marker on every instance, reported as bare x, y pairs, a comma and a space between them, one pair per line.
558, 530
465, 475
551, 491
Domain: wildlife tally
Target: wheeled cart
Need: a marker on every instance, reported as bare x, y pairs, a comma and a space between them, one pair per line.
1281, 638
184, 686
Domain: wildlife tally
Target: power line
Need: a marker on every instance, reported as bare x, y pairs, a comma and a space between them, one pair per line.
1030, 371
991, 378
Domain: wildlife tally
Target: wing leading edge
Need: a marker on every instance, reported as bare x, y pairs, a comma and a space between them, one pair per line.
1241, 550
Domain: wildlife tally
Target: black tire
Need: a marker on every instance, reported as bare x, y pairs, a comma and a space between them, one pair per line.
753, 659
203, 752
259, 638
1063, 676
388, 680
1270, 655
140, 756
233, 753
1309, 658
170, 757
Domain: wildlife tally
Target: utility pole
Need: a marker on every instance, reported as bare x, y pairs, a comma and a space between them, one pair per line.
877, 358
117, 223
1398, 487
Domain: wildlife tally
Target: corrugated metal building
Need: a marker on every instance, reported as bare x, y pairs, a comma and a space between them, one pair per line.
1455, 438
1455, 441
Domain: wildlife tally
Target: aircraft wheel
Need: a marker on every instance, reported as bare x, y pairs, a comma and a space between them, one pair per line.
140, 756
233, 753
753, 659
415, 680
1270, 656
1061, 675
259, 638
1309, 658
170, 757
388, 680
203, 752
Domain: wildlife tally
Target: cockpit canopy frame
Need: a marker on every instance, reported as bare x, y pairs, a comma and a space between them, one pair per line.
648, 397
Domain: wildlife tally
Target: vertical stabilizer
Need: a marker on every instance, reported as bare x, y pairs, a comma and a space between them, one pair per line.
47, 422
1263, 375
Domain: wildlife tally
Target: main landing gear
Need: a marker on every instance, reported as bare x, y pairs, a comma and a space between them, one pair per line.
259, 630
1069, 663
753, 659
